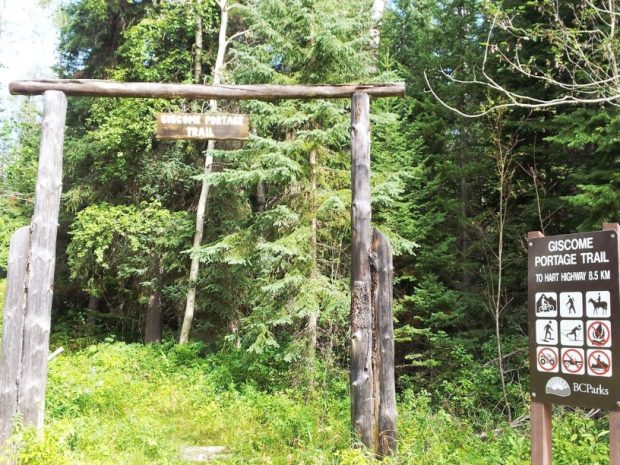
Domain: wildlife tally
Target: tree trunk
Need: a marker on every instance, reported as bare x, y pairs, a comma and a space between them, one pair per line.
204, 188
198, 49
260, 196
153, 319
463, 236
93, 309
378, 8
152, 328
314, 314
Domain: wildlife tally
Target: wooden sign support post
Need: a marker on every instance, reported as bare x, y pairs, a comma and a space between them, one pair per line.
614, 417
27, 312
599, 271
540, 416
23, 366
362, 401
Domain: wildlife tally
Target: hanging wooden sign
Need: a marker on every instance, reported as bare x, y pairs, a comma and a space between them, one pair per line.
574, 309
202, 126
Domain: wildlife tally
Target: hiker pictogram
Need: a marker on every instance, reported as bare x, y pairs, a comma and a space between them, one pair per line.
599, 363
573, 361
599, 333
547, 359
547, 332
571, 333
571, 304
597, 304
546, 304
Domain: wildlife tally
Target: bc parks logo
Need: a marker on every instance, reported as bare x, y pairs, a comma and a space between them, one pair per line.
557, 386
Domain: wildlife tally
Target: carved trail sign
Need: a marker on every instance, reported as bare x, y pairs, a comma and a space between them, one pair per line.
202, 126
574, 314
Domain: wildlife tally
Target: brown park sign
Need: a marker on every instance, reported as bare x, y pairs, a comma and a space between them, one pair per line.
202, 126
574, 315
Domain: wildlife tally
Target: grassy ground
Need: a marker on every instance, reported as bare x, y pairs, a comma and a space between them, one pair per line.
120, 404
114, 403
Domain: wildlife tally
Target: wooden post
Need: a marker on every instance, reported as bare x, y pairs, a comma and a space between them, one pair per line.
540, 416
614, 417
614, 438
13, 331
540, 419
383, 345
362, 402
41, 262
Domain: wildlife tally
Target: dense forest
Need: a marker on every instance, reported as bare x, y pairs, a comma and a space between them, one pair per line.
270, 266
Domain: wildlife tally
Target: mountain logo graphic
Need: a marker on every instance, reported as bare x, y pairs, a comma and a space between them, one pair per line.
558, 387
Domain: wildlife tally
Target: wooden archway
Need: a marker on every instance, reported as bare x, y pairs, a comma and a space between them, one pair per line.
27, 315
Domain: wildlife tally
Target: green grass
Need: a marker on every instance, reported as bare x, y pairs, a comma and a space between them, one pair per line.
128, 404
115, 403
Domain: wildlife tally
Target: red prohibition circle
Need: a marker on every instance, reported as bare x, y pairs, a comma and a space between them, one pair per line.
553, 360
596, 370
579, 357
591, 341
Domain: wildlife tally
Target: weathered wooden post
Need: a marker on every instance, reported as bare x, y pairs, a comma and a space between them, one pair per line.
28, 382
362, 400
42, 260
13, 330
383, 346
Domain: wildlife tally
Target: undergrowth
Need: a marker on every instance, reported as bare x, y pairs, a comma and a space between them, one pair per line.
112, 403
116, 403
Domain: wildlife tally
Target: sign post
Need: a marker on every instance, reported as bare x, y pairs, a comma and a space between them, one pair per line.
574, 330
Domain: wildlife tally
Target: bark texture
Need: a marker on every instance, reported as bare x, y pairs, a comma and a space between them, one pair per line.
383, 346
362, 402
96, 88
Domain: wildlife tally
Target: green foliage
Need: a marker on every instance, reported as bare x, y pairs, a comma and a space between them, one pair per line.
19, 152
117, 403
91, 32
145, 53
124, 253
34, 450
594, 191
113, 243
114, 403
275, 252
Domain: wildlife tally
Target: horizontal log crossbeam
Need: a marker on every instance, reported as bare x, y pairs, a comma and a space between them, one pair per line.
100, 88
